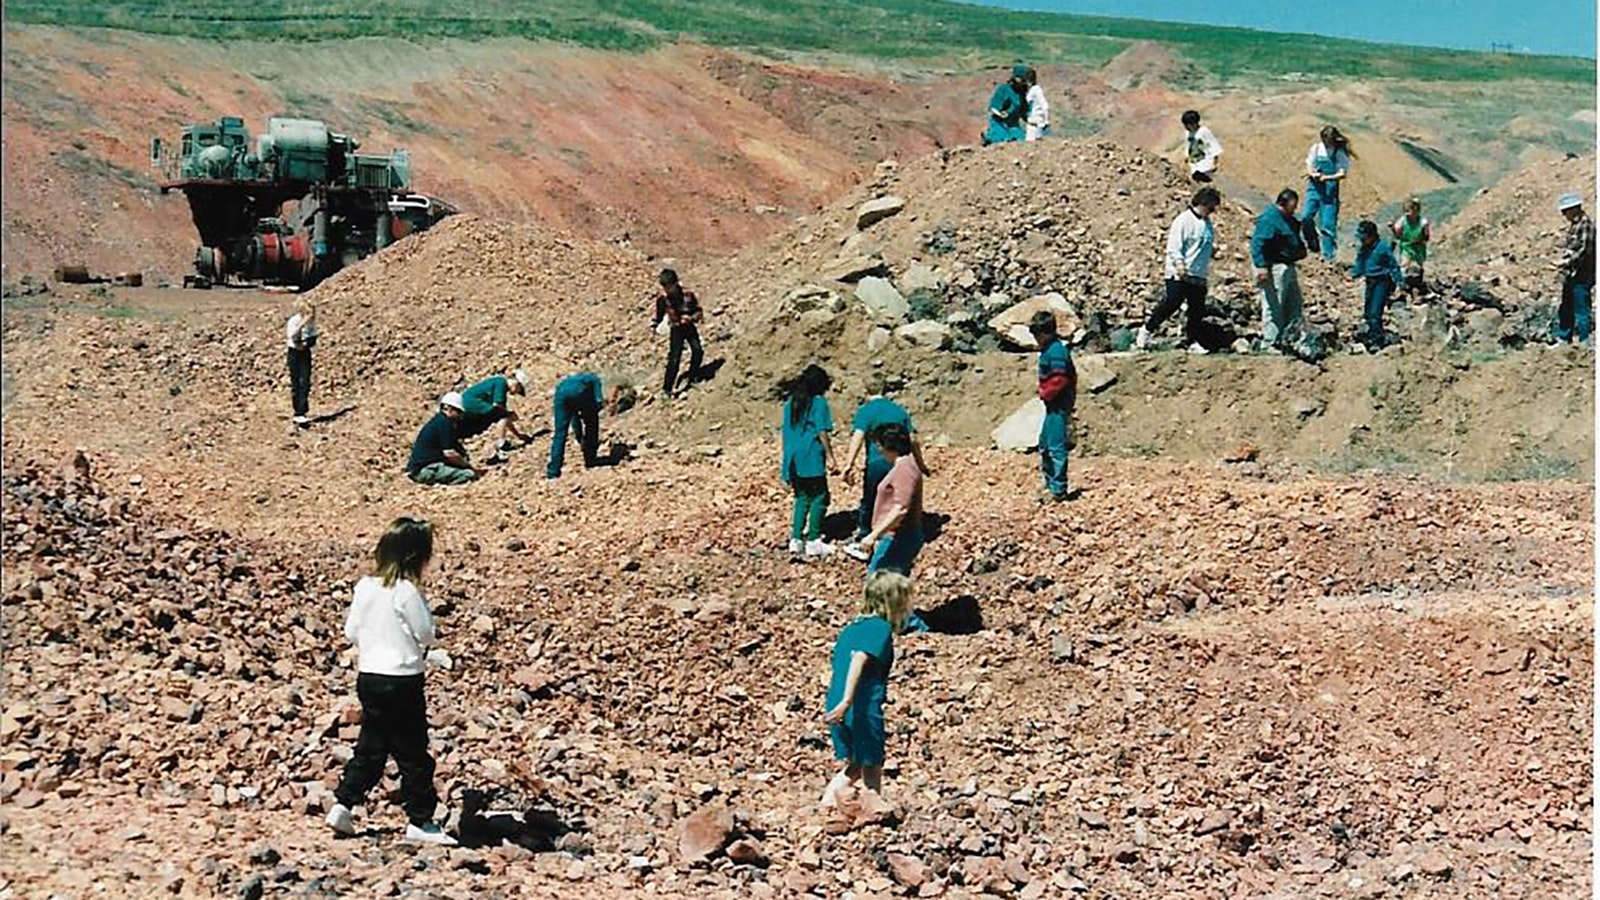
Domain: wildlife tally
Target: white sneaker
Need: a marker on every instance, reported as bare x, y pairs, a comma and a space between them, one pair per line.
430, 833
797, 547
1141, 339
819, 547
854, 550
339, 820
1198, 350
302, 421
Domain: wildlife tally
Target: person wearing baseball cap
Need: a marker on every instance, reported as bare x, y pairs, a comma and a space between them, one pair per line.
1008, 109
1575, 315
485, 403
437, 456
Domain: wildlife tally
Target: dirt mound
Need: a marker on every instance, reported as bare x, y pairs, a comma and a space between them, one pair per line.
1507, 235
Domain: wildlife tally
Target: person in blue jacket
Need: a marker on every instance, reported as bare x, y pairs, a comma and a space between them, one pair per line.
578, 401
1275, 248
1376, 262
1058, 388
1008, 109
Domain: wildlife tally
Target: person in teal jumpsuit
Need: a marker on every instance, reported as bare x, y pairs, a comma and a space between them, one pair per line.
1008, 109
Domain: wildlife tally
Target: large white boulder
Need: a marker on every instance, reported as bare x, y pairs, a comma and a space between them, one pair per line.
878, 209
1020, 430
881, 299
1011, 326
927, 333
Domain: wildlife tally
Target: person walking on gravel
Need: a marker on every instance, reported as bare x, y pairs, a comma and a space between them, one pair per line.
301, 334
1191, 243
437, 455
1412, 233
1058, 389
897, 508
1008, 107
1275, 249
807, 430
1575, 315
1038, 124
1327, 166
1375, 262
680, 310
391, 627
862, 658
485, 403
1203, 150
877, 412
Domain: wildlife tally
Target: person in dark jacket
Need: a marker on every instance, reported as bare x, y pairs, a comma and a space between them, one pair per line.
1376, 262
1058, 388
1275, 247
1008, 109
680, 309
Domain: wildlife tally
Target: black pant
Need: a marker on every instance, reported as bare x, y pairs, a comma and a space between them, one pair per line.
680, 335
300, 379
394, 722
1181, 292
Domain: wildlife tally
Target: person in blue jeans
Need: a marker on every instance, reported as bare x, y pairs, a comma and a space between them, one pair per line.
1327, 165
877, 412
1377, 263
578, 401
897, 509
1574, 317
1058, 388
862, 658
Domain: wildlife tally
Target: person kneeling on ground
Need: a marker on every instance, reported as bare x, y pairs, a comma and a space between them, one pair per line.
1376, 262
391, 627
578, 401
437, 456
862, 658
485, 403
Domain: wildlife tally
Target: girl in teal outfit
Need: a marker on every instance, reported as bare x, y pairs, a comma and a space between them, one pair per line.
862, 658
1008, 109
807, 458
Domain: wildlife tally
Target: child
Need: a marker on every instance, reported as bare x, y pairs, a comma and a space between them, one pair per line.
862, 658
807, 457
301, 335
1412, 233
1375, 261
1038, 124
1203, 149
390, 625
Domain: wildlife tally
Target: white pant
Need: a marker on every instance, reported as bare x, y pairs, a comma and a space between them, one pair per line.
1282, 307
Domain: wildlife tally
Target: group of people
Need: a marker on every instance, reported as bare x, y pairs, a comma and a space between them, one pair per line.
1018, 110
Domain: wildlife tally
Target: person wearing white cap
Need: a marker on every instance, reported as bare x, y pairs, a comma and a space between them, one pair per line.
485, 403
437, 456
1574, 317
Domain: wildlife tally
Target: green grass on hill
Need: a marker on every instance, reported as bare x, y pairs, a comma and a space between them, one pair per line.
903, 29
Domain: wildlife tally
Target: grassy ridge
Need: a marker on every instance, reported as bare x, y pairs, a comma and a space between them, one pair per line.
906, 29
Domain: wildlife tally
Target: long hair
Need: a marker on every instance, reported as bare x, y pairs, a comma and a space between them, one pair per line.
403, 551
811, 383
1333, 136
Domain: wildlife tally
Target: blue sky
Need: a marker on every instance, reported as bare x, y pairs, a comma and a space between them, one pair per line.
1564, 27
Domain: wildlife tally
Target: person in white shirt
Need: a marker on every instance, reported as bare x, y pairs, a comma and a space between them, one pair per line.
392, 628
1038, 125
301, 335
1191, 242
1203, 148
1327, 166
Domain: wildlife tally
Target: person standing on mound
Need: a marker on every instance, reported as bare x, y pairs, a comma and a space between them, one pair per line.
391, 627
862, 658
807, 430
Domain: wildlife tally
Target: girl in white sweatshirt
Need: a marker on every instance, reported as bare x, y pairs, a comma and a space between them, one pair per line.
391, 626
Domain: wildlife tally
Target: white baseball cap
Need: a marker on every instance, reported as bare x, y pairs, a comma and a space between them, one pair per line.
522, 378
1568, 201
453, 400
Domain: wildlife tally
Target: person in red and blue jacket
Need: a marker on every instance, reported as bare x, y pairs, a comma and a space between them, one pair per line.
1058, 388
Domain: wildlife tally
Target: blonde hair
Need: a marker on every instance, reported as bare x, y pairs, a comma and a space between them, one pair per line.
888, 594
302, 306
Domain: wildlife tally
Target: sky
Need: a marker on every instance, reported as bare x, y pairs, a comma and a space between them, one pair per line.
1562, 27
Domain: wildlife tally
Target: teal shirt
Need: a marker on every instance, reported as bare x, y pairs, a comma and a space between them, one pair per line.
802, 441
872, 636
582, 386
876, 413
482, 398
